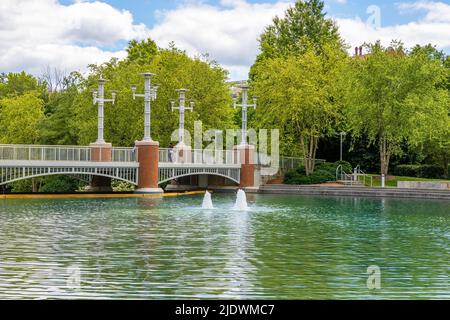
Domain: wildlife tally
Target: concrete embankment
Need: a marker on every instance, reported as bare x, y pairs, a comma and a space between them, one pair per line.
356, 191
82, 195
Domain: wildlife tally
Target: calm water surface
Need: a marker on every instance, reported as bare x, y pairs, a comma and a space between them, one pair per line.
286, 247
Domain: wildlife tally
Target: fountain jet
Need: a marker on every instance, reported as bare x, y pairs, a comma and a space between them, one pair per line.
241, 201
207, 202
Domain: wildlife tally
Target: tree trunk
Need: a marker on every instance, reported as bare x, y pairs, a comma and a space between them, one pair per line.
446, 164
309, 153
35, 185
384, 156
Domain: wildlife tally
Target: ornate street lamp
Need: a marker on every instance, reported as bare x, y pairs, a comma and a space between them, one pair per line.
98, 98
149, 95
182, 108
244, 107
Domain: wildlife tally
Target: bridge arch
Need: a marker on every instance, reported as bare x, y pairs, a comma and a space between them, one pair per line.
168, 174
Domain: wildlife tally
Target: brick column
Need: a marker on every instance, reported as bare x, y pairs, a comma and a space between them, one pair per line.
148, 158
101, 152
246, 158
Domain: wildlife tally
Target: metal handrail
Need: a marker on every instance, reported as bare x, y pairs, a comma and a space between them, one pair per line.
341, 175
361, 173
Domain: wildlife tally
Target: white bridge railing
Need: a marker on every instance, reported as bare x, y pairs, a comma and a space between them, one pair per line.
198, 156
61, 153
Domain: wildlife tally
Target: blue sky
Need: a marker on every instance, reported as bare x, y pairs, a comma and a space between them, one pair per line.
144, 10
70, 34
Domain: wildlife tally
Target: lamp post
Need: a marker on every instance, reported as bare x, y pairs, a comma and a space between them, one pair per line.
149, 95
342, 134
244, 105
98, 98
182, 108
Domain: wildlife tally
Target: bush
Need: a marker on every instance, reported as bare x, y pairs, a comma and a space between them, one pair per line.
346, 166
324, 172
429, 171
407, 170
21, 186
60, 184
432, 171
122, 186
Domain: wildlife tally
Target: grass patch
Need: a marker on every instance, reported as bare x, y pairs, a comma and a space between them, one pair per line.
391, 182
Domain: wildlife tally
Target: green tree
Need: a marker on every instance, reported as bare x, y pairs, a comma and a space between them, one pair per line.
396, 97
293, 75
58, 126
304, 27
12, 84
141, 52
19, 118
299, 95
437, 149
124, 121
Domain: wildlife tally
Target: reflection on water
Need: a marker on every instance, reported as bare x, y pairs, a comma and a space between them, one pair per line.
286, 247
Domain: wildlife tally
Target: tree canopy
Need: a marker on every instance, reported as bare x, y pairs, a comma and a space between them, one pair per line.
174, 69
20, 117
296, 76
298, 95
397, 96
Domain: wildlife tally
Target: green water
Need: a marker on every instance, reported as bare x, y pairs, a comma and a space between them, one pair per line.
286, 247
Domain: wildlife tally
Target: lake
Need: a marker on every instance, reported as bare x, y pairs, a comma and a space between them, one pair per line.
285, 247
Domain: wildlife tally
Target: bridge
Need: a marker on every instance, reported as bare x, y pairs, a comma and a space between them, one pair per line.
145, 165
19, 162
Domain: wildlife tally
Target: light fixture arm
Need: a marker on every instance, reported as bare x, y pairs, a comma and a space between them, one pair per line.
149, 95
182, 108
244, 105
99, 99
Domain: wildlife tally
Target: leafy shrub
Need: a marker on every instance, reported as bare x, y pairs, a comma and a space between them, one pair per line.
122, 186
60, 183
420, 171
431, 171
346, 166
407, 170
324, 172
20, 186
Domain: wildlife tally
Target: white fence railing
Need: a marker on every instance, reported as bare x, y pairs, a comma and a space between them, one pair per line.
124, 154
62, 153
290, 163
198, 156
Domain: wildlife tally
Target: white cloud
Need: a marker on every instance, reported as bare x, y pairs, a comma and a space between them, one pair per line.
432, 28
436, 11
36, 33
228, 32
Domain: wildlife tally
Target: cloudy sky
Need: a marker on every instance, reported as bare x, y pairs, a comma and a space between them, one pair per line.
70, 34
